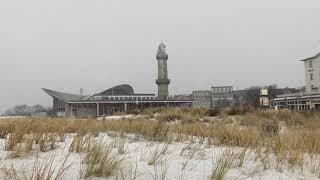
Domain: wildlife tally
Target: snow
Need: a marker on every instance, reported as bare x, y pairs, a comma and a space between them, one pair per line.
197, 158
12, 117
117, 117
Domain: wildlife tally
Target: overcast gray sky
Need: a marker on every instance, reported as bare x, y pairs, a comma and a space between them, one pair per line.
95, 44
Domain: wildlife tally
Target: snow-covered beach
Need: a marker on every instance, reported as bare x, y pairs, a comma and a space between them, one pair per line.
171, 144
176, 160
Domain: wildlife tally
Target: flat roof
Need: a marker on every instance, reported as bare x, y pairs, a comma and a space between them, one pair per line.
125, 95
297, 94
310, 96
221, 86
133, 101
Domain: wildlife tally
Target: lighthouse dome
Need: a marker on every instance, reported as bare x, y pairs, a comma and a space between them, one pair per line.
162, 48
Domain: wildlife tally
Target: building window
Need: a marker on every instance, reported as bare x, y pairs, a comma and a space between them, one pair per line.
310, 64
311, 76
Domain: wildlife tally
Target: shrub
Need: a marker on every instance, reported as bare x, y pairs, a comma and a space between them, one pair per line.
213, 112
222, 163
160, 132
12, 140
134, 111
195, 112
81, 143
158, 154
100, 162
40, 170
270, 127
184, 114
236, 111
234, 136
22, 148
5, 129
47, 142
170, 115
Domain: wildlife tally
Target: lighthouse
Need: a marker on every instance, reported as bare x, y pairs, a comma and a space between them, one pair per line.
162, 81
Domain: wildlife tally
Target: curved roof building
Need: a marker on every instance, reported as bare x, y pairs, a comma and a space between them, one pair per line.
121, 98
123, 89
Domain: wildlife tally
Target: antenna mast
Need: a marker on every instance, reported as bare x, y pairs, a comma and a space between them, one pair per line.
81, 92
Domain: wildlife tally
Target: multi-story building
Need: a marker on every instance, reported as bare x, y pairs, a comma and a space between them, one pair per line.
312, 73
222, 96
218, 96
308, 100
202, 98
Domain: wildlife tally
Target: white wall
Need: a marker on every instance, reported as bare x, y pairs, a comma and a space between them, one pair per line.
315, 70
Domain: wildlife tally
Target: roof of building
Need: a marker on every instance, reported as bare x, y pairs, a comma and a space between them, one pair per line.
120, 90
301, 95
63, 96
130, 101
221, 86
317, 55
123, 89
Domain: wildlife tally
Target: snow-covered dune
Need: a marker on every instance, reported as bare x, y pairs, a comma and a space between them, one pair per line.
147, 160
12, 117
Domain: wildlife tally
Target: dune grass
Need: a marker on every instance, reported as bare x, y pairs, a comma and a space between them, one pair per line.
100, 161
222, 163
284, 134
40, 170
